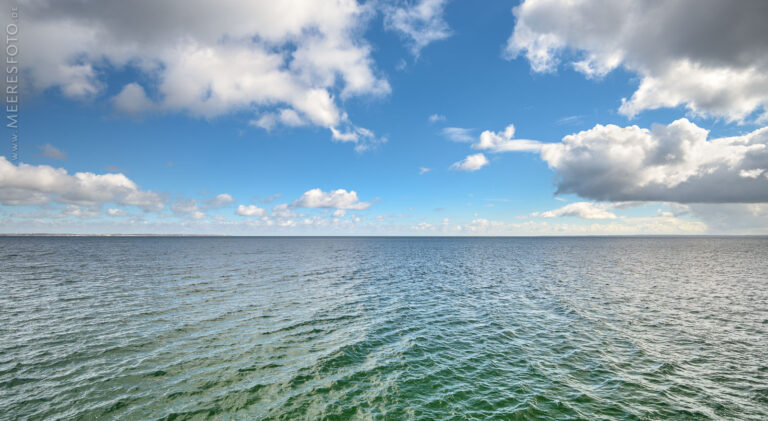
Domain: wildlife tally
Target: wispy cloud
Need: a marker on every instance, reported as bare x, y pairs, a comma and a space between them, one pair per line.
571, 119
270, 199
52, 152
24, 184
421, 23
458, 134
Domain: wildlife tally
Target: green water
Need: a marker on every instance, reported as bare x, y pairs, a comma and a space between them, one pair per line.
376, 328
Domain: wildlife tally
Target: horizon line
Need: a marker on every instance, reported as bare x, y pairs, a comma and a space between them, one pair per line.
379, 236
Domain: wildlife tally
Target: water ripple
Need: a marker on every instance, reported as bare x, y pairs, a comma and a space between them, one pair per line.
376, 328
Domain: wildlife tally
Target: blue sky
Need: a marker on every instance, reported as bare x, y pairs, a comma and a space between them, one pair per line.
380, 104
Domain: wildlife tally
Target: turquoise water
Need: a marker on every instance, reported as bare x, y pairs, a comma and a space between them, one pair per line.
384, 328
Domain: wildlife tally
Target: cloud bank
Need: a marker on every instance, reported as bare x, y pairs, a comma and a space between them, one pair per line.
288, 62
25, 184
673, 163
708, 55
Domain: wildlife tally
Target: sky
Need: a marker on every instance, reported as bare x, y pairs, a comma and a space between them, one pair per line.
428, 117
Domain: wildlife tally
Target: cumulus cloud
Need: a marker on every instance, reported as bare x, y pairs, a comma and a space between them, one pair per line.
335, 199
708, 55
421, 22
286, 116
184, 206
207, 59
219, 201
133, 99
79, 212
504, 142
271, 199
471, 163
52, 152
424, 170
187, 208
283, 211
673, 163
116, 212
757, 172
250, 210
584, 210
25, 184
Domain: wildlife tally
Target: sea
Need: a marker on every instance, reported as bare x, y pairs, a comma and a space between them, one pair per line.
383, 328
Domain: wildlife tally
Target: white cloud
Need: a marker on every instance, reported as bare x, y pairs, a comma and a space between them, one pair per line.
458, 134
751, 173
339, 213
286, 116
363, 139
434, 118
219, 201
207, 59
335, 199
571, 119
656, 225
271, 199
25, 184
63, 222
420, 22
674, 163
283, 211
189, 208
424, 170
184, 206
504, 142
708, 55
116, 212
133, 100
52, 152
79, 212
250, 210
471, 163
423, 226
584, 210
